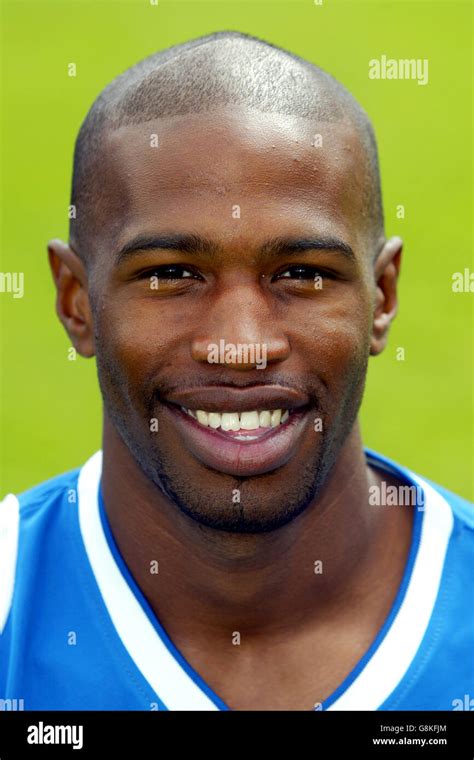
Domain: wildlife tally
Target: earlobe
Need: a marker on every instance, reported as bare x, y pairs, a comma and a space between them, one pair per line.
386, 270
72, 298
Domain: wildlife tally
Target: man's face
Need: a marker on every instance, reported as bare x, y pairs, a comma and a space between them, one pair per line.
165, 319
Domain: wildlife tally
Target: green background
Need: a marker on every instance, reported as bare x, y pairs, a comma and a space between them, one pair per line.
417, 411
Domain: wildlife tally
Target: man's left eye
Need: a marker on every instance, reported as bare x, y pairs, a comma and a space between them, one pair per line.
300, 272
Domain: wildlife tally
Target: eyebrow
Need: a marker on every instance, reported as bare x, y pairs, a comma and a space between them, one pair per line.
196, 244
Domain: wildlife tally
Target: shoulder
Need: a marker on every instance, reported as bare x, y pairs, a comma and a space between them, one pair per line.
434, 625
43, 495
25, 519
446, 531
460, 509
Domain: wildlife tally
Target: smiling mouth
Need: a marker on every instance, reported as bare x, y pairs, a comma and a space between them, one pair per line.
255, 423
245, 443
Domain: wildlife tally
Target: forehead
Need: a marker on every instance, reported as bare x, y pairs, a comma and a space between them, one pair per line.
187, 173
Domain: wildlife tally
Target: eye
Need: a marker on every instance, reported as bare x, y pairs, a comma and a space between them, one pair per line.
301, 272
169, 272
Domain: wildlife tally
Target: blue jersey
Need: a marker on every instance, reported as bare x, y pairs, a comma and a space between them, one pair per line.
76, 633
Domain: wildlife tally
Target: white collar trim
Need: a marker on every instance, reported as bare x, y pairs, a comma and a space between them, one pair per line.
394, 655
174, 687
177, 689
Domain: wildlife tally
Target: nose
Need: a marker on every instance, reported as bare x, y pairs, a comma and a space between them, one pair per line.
240, 329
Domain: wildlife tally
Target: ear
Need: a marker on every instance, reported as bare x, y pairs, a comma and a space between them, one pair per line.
72, 298
386, 272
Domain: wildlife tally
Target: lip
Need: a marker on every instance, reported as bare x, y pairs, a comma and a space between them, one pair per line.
235, 399
224, 453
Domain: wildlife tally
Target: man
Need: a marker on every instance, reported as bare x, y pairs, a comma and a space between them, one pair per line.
233, 545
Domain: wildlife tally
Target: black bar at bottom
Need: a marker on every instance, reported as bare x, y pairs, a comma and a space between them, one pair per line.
374, 734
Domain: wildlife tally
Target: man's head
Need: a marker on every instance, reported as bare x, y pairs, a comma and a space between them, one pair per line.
223, 69
227, 194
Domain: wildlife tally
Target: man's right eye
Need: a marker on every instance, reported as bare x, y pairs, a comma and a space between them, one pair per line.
167, 272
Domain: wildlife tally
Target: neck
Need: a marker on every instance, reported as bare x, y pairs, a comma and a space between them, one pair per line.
339, 550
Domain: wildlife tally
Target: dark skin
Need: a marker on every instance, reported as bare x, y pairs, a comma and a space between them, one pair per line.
300, 633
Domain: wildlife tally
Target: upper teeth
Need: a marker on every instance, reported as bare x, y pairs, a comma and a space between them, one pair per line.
239, 420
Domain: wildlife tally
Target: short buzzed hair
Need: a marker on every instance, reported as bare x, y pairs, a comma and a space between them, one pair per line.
223, 68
